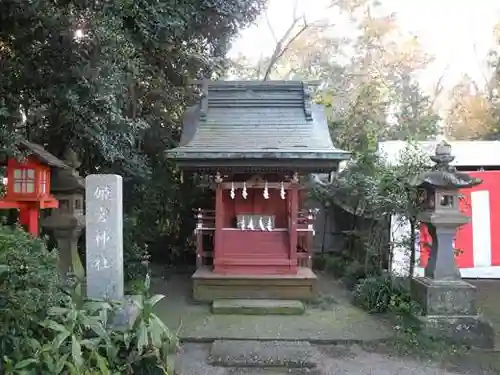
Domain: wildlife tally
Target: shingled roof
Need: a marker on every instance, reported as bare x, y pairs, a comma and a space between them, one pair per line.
43, 155
256, 122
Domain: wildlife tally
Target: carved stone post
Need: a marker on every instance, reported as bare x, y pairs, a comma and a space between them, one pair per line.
67, 221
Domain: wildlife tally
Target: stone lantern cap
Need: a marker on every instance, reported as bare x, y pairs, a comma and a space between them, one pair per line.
443, 175
68, 180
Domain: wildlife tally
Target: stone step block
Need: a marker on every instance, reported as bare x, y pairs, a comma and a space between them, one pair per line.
257, 307
274, 371
262, 354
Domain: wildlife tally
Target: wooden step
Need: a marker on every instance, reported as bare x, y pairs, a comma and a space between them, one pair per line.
257, 307
209, 285
255, 261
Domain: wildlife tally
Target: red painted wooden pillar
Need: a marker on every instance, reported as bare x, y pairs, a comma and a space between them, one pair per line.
219, 221
24, 216
294, 206
28, 216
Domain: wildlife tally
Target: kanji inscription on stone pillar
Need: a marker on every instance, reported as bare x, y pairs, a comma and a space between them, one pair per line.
104, 236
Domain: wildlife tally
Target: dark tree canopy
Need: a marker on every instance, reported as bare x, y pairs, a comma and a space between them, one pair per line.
109, 78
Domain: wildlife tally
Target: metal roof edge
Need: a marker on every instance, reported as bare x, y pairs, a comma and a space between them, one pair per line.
254, 84
179, 153
467, 153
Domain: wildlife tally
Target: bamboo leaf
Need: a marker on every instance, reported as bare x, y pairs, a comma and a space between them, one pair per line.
142, 337
25, 363
59, 339
102, 363
53, 311
54, 326
155, 299
59, 365
76, 351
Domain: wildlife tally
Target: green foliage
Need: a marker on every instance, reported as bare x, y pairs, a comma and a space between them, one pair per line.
81, 338
319, 261
382, 294
335, 265
29, 286
354, 272
110, 79
345, 267
48, 329
375, 190
133, 253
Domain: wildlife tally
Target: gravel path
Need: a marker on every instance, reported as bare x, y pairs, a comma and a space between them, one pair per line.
336, 360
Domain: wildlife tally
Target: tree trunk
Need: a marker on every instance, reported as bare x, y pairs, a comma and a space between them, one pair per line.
413, 238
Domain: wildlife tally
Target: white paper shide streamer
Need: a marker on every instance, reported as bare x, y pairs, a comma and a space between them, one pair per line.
244, 193
232, 193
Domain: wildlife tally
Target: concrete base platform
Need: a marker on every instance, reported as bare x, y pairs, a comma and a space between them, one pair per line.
209, 286
444, 298
257, 307
471, 330
450, 312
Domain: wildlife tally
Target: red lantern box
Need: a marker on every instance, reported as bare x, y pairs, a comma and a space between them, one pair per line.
28, 184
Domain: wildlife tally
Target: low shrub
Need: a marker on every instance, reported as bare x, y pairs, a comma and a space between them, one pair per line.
353, 272
319, 262
46, 329
381, 294
81, 338
133, 254
29, 286
343, 266
335, 265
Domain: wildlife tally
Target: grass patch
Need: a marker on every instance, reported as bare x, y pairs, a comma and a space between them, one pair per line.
322, 302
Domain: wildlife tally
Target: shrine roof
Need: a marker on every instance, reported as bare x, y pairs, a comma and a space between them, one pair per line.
266, 120
41, 154
44, 156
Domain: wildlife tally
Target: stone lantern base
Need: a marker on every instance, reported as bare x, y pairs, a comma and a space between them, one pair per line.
450, 312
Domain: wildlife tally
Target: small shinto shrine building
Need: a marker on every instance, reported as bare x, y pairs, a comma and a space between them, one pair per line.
256, 143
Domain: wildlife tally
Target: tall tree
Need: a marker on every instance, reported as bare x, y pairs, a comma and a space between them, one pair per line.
109, 79
364, 78
470, 115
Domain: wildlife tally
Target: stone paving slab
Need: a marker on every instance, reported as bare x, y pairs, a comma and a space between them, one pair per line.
343, 323
338, 323
290, 354
275, 371
192, 360
336, 360
257, 307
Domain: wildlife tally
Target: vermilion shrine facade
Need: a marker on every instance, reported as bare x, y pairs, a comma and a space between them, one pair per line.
256, 143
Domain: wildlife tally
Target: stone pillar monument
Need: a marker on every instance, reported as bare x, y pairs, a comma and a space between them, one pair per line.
104, 244
104, 237
449, 303
67, 221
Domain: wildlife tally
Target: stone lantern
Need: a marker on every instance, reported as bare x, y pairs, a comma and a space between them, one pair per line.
449, 303
68, 221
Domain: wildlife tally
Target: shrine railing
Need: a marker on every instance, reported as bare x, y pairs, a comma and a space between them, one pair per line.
205, 225
305, 233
